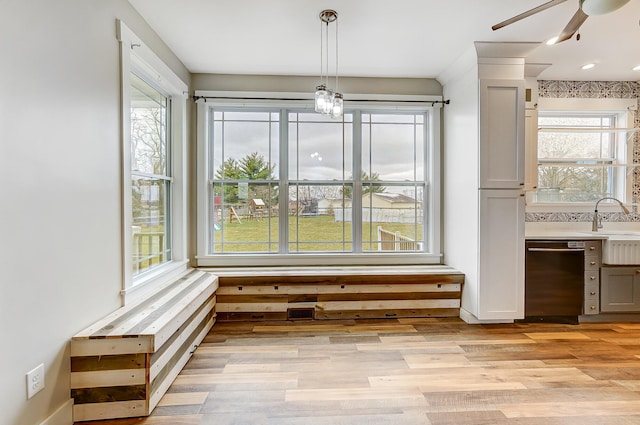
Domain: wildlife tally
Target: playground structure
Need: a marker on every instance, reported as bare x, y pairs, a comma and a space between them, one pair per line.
256, 209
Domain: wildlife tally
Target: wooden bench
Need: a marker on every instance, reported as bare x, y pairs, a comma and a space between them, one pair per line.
122, 365
286, 293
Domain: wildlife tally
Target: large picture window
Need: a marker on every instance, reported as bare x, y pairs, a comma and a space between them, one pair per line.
289, 183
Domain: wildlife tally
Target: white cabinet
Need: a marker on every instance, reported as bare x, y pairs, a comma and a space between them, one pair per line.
620, 289
502, 132
484, 212
501, 255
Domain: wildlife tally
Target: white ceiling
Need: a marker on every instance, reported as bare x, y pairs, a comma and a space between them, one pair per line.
382, 38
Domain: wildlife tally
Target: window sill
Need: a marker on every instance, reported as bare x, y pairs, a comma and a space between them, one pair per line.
397, 258
152, 281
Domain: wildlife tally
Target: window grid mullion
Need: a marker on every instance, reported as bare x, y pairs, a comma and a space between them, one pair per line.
356, 191
283, 195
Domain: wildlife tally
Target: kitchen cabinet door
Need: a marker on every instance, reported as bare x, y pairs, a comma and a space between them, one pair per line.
502, 134
620, 289
501, 262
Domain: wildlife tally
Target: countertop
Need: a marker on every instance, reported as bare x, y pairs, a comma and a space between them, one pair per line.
564, 235
614, 235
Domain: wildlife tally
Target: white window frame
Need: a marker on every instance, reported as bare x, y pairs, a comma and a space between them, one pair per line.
625, 109
135, 55
382, 103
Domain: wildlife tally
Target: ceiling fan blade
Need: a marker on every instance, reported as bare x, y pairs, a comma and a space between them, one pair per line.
574, 24
527, 13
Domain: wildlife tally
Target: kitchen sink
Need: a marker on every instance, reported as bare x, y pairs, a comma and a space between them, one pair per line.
620, 247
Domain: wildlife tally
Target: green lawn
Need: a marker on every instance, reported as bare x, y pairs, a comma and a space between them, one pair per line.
319, 233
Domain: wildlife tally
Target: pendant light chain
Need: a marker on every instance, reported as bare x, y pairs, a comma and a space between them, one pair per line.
336, 55
326, 34
321, 54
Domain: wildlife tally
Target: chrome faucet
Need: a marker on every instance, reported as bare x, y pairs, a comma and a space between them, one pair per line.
597, 224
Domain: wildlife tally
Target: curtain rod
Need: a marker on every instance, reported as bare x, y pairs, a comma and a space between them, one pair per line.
433, 102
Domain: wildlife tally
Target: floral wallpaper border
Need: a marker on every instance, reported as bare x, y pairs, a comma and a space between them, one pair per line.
579, 217
589, 89
595, 90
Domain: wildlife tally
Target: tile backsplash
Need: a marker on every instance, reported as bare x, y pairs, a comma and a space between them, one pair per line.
594, 90
577, 217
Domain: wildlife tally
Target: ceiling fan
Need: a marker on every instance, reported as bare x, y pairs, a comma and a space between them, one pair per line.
586, 8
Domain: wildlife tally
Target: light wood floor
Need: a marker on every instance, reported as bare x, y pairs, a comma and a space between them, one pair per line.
407, 371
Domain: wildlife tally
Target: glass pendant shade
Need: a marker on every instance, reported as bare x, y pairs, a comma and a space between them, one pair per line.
328, 104
323, 100
337, 106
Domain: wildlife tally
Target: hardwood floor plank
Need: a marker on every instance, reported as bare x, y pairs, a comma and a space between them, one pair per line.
557, 335
242, 378
352, 394
176, 399
574, 409
437, 361
491, 417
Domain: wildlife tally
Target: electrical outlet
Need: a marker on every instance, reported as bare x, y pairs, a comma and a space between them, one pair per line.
35, 380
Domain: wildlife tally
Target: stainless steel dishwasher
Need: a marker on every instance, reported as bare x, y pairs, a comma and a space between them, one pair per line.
554, 281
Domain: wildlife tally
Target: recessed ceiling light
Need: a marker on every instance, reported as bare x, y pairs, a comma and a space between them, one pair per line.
552, 41
636, 68
588, 66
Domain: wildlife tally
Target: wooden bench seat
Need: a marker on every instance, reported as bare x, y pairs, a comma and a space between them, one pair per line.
123, 364
286, 293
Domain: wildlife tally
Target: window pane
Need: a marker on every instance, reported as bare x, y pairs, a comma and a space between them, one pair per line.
244, 217
392, 147
150, 179
558, 183
574, 145
245, 145
244, 149
320, 148
319, 218
151, 243
148, 128
392, 218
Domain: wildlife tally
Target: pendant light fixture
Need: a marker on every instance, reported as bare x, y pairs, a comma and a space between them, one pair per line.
328, 101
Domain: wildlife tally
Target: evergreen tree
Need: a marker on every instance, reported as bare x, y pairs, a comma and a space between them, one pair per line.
252, 167
230, 170
347, 190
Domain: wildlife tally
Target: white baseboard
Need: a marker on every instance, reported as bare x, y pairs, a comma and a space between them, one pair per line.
473, 320
62, 416
468, 317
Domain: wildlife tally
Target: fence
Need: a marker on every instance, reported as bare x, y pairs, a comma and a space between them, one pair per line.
148, 250
394, 241
381, 215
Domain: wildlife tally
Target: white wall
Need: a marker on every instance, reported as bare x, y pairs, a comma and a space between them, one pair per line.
460, 169
286, 83
60, 192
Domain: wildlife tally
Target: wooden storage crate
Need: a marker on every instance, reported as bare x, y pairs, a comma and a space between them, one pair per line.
350, 292
123, 364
